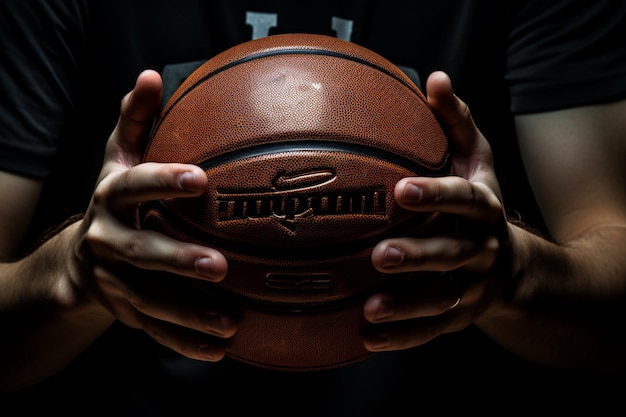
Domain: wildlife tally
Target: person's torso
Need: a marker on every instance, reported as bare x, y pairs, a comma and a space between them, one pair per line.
463, 38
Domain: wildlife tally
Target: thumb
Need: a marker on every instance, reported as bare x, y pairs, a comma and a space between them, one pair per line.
452, 112
137, 111
471, 152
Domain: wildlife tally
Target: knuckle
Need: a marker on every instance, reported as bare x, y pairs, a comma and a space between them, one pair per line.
132, 249
93, 239
100, 193
134, 299
180, 257
156, 333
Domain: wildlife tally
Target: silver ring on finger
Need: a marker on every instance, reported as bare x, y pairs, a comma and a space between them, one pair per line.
458, 288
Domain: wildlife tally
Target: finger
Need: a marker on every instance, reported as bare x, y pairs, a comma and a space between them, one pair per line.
471, 153
188, 343
148, 303
122, 193
137, 111
453, 195
412, 333
452, 112
154, 251
438, 253
424, 295
139, 107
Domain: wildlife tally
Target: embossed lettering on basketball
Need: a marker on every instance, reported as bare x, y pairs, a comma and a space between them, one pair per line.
303, 138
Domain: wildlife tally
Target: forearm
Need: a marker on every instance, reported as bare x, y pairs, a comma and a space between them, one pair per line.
564, 305
46, 318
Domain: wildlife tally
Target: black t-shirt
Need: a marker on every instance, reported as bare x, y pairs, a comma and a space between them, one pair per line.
65, 65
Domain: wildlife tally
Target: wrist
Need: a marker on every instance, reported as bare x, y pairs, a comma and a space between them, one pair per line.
68, 272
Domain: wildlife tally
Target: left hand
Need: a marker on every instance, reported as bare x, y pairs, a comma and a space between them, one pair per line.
468, 265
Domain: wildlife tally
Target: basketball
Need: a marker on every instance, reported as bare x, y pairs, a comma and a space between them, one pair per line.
302, 138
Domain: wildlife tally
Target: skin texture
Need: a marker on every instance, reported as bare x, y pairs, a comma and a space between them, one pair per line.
531, 295
524, 291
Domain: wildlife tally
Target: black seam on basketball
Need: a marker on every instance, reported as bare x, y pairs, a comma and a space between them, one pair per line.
289, 146
266, 54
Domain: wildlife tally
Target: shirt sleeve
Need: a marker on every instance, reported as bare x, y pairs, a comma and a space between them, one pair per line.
565, 54
41, 43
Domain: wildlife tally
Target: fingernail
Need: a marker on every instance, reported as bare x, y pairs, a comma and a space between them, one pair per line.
393, 256
412, 194
215, 324
385, 309
207, 352
379, 342
204, 266
186, 180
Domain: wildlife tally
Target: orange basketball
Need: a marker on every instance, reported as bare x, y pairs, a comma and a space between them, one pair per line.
303, 138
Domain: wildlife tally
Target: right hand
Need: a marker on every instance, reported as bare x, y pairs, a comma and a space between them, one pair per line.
120, 259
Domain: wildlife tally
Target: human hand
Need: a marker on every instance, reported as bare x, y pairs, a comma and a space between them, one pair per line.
141, 276
414, 311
